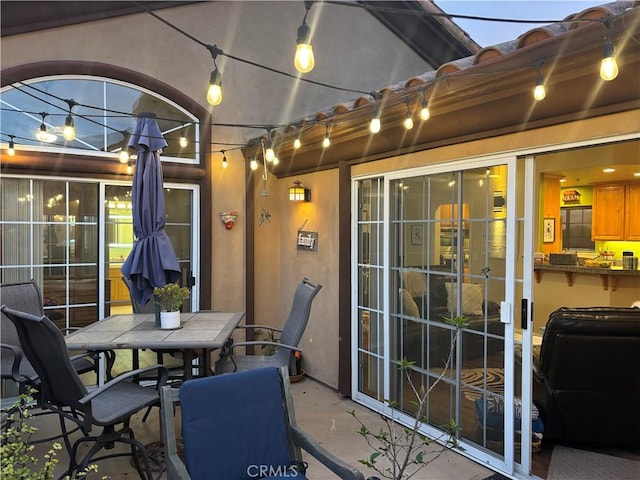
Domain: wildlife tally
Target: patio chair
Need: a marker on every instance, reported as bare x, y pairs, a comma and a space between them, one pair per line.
109, 407
240, 426
287, 344
26, 297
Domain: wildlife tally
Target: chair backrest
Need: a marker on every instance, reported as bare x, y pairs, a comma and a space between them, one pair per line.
138, 307
44, 346
298, 318
589, 360
235, 424
24, 297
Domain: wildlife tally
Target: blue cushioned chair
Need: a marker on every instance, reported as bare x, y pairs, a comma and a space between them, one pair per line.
239, 426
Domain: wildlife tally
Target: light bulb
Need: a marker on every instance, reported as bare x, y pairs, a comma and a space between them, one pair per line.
275, 160
608, 66
42, 134
183, 141
214, 94
11, 151
69, 131
269, 154
123, 156
375, 125
539, 92
424, 112
408, 122
297, 143
253, 164
326, 142
129, 168
304, 61
224, 161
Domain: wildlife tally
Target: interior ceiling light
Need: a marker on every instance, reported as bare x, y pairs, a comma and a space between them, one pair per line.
69, 130
375, 124
424, 111
224, 159
42, 134
408, 122
326, 142
539, 92
608, 170
11, 151
214, 94
303, 60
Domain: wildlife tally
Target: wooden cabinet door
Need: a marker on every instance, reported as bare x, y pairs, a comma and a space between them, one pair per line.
632, 212
608, 212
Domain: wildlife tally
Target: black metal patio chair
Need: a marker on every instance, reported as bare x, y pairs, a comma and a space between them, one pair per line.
108, 407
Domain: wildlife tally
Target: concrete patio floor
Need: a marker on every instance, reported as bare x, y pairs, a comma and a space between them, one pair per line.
322, 413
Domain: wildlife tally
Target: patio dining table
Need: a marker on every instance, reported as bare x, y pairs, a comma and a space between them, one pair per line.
206, 330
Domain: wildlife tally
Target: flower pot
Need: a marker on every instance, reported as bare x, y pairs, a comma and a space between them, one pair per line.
169, 319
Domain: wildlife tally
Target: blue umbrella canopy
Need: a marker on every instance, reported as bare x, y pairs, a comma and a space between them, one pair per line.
152, 261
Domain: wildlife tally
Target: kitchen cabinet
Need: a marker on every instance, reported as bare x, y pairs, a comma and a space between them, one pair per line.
632, 212
615, 212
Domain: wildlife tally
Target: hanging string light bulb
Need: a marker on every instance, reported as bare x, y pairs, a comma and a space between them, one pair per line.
129, 167
269, 154
69, 130
303, 60
183, 137
375, 124
539, 91
408, 122
123, 156
326, 142
42, 134
297, 143
424, 111
224, 159
11, 151
214, 94
253, 164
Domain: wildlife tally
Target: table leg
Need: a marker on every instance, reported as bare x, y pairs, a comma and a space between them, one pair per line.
188, 364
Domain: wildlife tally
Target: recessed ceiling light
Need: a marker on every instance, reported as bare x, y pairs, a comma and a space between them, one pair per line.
563, 180
608, 170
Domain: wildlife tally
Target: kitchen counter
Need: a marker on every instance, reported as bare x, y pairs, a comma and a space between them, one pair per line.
607, 275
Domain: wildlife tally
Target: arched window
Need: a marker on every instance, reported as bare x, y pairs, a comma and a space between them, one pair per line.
103, 112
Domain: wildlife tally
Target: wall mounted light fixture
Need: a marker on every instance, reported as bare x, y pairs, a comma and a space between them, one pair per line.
298, 193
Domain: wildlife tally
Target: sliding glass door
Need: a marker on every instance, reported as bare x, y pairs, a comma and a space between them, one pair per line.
434, 245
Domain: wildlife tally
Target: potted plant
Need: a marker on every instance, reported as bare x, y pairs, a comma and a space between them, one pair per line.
170, 298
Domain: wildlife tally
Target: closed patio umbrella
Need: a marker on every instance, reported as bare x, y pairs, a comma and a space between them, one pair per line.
152, 261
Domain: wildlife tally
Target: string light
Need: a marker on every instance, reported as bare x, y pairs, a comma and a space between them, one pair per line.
224, 159
326, 142
539, 91
408, 122
303, 60
375, 124
253, 164
42, 134
129, 167
214, 94
424, 111
608, 66
69, 130
123, 156
268, 152
183, 137
11, 151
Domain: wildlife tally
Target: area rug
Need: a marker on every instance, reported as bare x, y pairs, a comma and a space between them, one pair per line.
570, 464
476, 377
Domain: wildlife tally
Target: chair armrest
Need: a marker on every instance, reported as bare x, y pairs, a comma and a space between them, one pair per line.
17, 358
317, 451
263, 327
173, 463
163, 373
175, 468
264, 342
